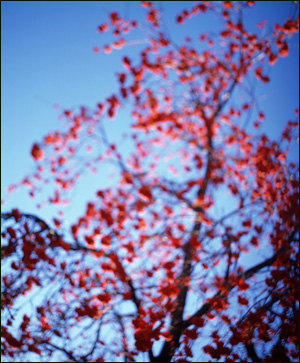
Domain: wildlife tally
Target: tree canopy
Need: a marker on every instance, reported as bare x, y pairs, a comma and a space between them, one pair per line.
192, 251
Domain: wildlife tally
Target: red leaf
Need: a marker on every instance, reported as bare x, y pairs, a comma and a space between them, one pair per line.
169, 265
126, 63
107, 49
179, 19
258, 74
146, 4
89, 240
16, 214
272, 59
227, 4
105, 298
68, 113
106, 240
34, 349
107, 217
247, 223
143, 341
191, 334
122, 78
37, 153
242, 300
114, 18
12, 341
243, 285
284, 50
145, 193
12, 232
198, 321
103, 28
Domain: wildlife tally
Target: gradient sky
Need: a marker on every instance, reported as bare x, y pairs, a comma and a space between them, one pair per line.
47, 58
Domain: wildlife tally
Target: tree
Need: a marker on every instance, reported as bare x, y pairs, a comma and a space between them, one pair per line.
152, 266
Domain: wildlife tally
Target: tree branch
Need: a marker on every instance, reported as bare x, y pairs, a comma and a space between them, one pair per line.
245, 275
252, 353
70, 355
169, 348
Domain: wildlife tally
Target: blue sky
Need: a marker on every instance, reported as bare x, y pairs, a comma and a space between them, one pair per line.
47, 59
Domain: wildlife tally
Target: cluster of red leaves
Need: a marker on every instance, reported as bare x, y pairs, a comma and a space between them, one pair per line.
220, 350
196, 9
119, 27
10, 343
145, 333
87, 310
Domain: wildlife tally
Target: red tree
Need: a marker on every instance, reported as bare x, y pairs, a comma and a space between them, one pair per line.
151, 266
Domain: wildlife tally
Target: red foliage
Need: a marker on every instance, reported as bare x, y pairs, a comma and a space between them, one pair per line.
37, 153
143, 341
197, 234
103, 28
145, 193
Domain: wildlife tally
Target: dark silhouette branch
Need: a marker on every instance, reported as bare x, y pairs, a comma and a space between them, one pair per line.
252, 353
245, 275
176, 330
69, 354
